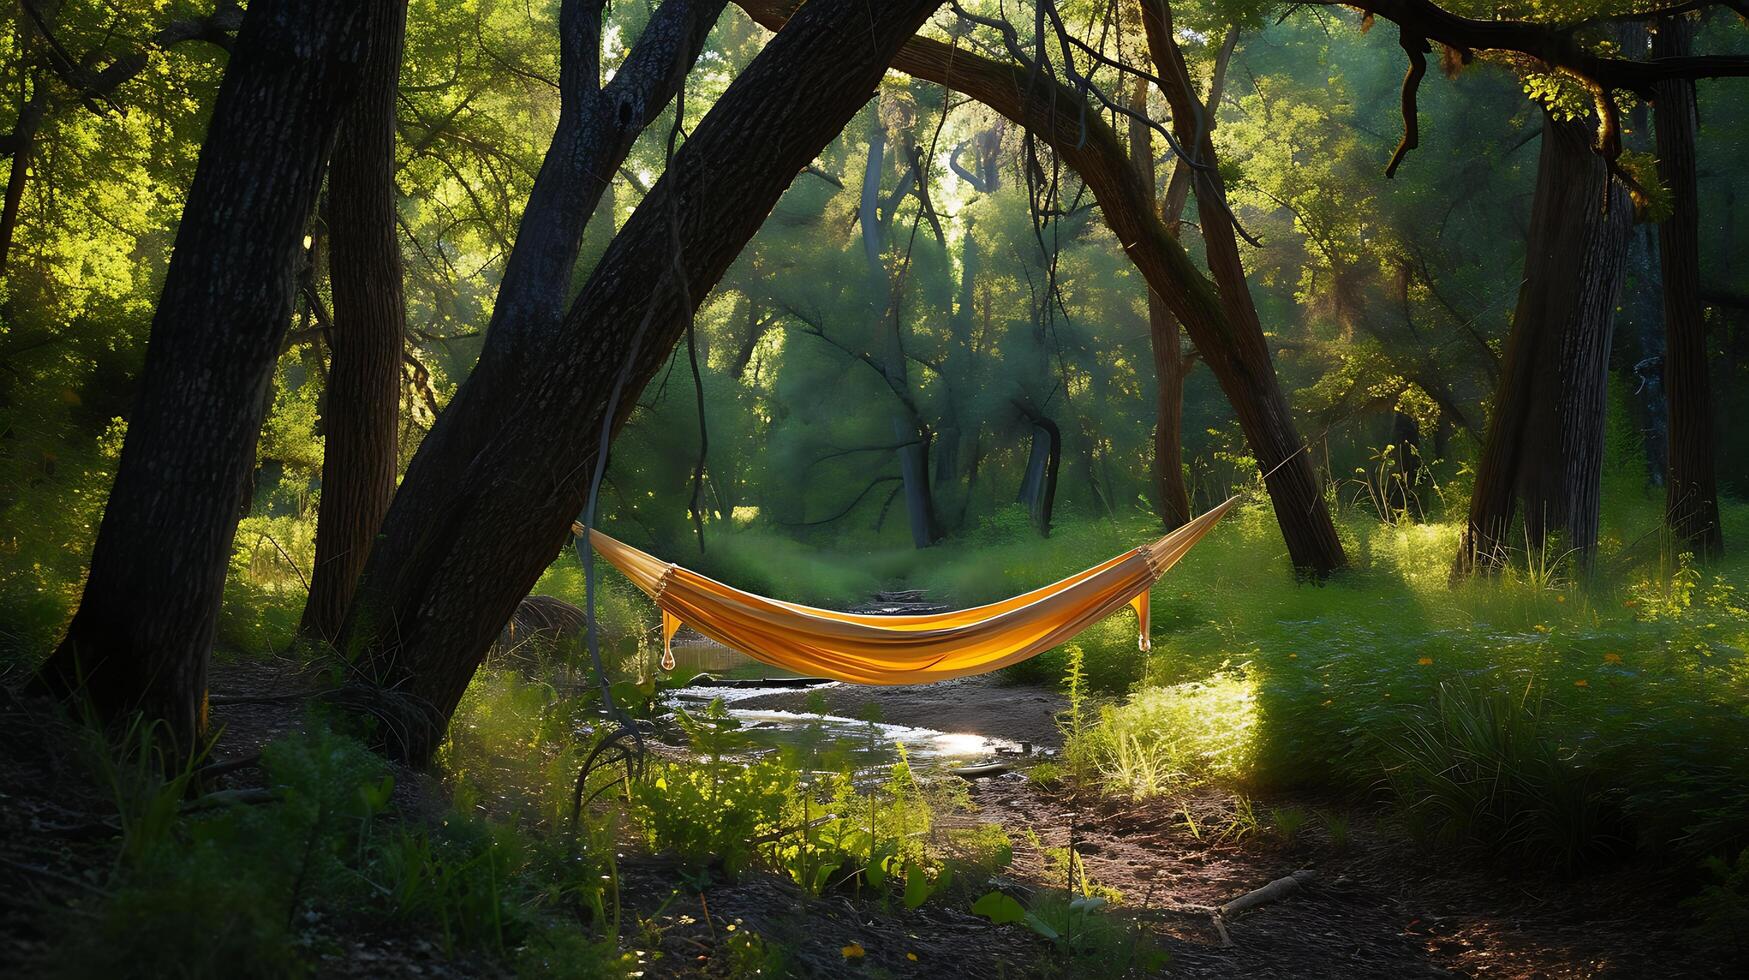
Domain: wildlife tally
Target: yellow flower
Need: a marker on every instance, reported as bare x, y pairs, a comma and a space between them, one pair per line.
853, 951
1425, 661
911, 956
1293, 656
1581, 683
1612, 658
1560, 598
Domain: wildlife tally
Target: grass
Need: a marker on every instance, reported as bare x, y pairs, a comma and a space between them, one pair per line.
1389, 676
1635, 669
255, 880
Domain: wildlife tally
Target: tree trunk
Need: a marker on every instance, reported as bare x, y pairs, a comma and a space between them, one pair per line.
596, 129
910, 432
24, 136
145, 625
363, 414
1295, 490
1236, 353
1691, 488
1038, 484
1170, 495
1544, 445
425, 629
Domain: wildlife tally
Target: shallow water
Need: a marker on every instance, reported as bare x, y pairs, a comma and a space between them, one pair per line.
867, 743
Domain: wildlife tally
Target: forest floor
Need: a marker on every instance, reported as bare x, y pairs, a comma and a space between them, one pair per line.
1378, 906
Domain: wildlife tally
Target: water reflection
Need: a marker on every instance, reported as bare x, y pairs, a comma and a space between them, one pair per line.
869, 743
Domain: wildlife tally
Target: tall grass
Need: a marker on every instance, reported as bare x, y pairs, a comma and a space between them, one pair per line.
1487, 768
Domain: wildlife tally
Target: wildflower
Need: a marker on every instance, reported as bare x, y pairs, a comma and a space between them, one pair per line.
1612, 658
1560, 598
1293, 656
911, 956
1581, 682
854, 951
1425, 661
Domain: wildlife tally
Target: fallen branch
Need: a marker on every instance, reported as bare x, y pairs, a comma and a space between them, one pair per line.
227, 797
1276, 890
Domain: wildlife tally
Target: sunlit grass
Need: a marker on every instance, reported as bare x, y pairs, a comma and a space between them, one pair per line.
1162, 739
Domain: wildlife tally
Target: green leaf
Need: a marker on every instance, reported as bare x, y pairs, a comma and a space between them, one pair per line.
918, 887
1001, 909
1041, 927
1086, 903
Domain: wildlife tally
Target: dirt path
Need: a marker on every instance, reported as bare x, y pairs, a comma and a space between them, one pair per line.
1380, 906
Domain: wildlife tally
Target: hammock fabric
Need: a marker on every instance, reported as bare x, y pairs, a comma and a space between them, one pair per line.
864, 649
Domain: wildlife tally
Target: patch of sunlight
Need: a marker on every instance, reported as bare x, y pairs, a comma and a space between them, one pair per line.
1173, 737
744, 514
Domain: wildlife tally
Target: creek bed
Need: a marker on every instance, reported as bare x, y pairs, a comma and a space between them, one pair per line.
869, 744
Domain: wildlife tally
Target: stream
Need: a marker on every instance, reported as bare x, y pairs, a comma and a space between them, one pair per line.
869, 743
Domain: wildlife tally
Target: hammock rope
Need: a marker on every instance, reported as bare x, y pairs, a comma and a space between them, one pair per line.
914, 649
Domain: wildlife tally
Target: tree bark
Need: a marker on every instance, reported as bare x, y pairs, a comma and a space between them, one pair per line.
1170, 495
1236, 353
513, 504
596, 129
362, 418
1691, 487
144, 628
24, 139
910, 433
1038, 484
1298, 497
1544, 443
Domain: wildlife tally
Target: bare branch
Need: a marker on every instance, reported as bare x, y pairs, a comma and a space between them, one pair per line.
1417, 48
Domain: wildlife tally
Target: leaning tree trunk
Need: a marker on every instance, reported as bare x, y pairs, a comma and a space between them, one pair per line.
1236, 352
597, 126
23, 147
1295, 490
1691, 488
363, 413
514, 503
1544, 443
145, 625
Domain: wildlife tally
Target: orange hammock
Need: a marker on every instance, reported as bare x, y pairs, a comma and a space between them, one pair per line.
865, 649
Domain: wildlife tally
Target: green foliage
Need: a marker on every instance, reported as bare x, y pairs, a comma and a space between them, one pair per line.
1483, 768
1166, 738
1076, 926
1287, 822
1722, 904
713, 816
